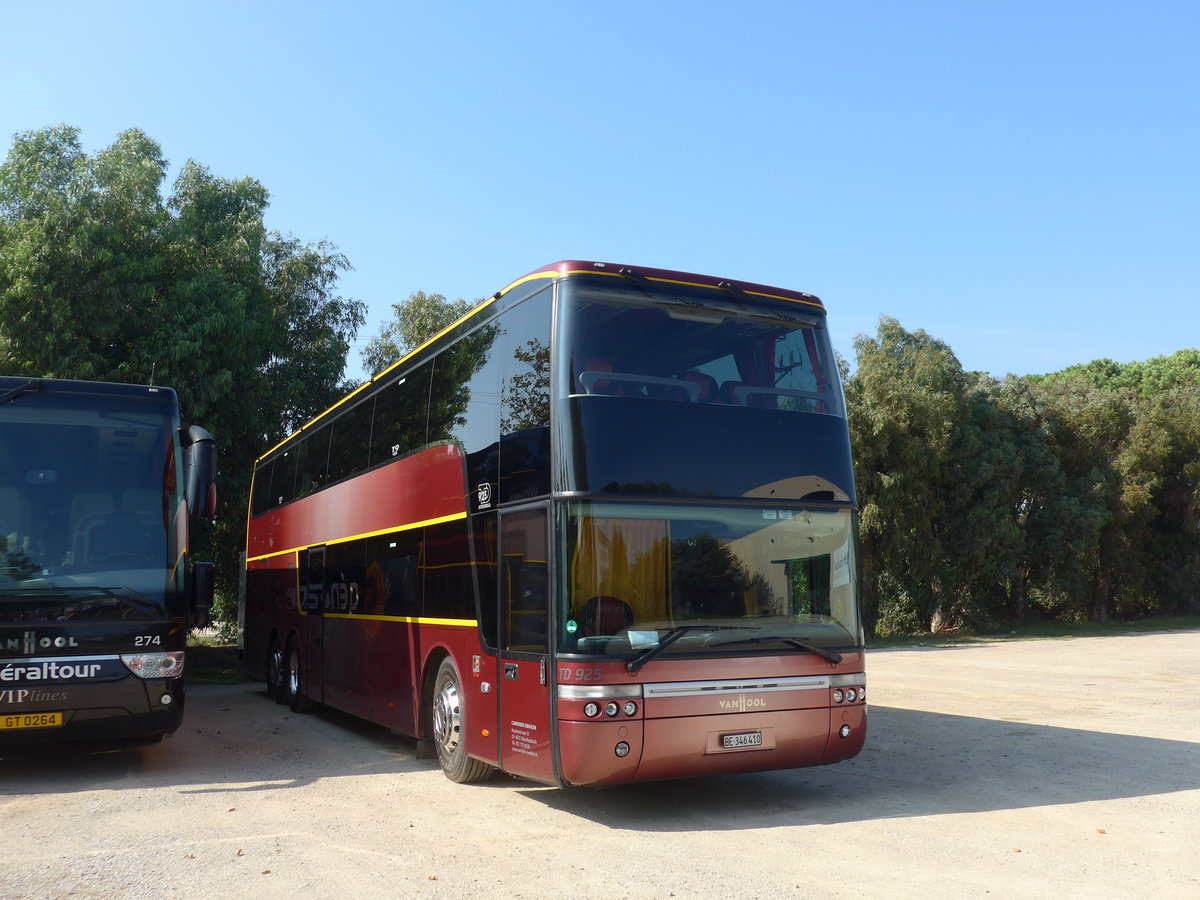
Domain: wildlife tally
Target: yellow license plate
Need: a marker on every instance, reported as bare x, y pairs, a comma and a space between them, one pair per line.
31, 720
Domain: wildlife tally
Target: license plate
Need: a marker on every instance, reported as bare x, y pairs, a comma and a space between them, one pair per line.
746, 739
31, 720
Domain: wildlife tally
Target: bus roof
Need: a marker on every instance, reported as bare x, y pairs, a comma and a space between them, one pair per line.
565, 268
68, 386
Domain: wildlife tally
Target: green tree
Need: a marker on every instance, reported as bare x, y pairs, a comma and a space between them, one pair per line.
906, 402
414, 321
102, 278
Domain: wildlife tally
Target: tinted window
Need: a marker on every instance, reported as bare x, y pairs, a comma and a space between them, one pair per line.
698, 347
261, 498
350, 442
400, 415
524, 580
525, 400
312, 457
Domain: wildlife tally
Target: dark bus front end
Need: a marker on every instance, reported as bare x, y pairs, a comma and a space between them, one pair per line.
95, 578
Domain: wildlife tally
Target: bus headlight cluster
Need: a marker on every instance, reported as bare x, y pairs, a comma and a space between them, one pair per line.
850, 695
154, 665
611, 709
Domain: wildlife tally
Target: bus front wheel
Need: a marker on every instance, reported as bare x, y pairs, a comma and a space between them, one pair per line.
449, 728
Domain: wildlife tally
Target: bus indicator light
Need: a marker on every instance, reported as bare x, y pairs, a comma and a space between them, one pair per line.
844, 732
622, 749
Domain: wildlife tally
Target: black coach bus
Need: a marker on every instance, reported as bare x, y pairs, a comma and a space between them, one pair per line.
98, 483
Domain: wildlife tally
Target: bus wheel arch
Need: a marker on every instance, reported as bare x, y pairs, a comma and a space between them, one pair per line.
447, 723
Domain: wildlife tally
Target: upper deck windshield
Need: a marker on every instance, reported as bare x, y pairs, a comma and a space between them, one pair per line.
89, 489
648, 340
733, 579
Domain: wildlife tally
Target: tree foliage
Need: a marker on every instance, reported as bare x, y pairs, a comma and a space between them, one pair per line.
1073, 496
414, 321
101, 277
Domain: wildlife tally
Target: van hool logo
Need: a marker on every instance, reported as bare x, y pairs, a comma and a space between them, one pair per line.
31, 643
743, 703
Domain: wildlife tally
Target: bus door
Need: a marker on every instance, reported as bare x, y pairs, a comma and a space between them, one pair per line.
525, 724
312, 623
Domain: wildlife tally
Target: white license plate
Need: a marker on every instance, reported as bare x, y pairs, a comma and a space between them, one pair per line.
746, 739
31, 720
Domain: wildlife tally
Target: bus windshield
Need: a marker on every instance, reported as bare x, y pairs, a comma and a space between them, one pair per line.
669, 342
89, 489
737, 579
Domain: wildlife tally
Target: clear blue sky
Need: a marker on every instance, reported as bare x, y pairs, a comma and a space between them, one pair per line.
1020, 179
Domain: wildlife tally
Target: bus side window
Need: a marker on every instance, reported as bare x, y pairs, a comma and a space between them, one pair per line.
312, 456
350, 442
524, 587
401, 416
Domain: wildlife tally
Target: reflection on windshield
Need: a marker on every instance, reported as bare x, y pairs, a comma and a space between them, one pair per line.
88, 497
638, 572
699, 346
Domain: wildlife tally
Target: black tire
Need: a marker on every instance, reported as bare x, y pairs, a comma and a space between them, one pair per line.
293, 681
274, 671
448, 728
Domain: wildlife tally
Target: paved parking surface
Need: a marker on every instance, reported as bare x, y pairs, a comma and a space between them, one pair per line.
1065, 768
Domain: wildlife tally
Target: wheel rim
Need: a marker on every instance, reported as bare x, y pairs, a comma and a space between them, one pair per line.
447, 717
293, 673
275, 668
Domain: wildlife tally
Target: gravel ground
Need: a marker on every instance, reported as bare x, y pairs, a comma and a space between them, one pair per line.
1026, 769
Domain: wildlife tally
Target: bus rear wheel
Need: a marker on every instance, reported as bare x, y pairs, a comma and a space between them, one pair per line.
274, 667
293, 681
449, 728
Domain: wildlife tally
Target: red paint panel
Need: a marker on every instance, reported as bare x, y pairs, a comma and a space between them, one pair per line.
678, 748
587, 755
427, 485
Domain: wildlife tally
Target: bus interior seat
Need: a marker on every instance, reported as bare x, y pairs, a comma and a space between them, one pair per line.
597, 386
147, 503
738, 393
121, 537
89, 514
606, 615
707, 384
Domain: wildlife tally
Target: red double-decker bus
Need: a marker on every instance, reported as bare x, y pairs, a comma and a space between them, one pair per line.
600, 529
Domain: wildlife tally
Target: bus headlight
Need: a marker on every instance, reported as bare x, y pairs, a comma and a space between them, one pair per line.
591, 710
154, 665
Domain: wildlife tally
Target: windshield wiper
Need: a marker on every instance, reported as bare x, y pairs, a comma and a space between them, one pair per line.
671, 637
30, 387
830, 655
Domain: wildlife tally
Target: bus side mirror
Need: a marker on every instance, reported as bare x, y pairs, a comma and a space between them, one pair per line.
199, 488
202, 594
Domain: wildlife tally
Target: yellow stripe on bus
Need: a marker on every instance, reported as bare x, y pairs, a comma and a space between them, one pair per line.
411, 620
453, 517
